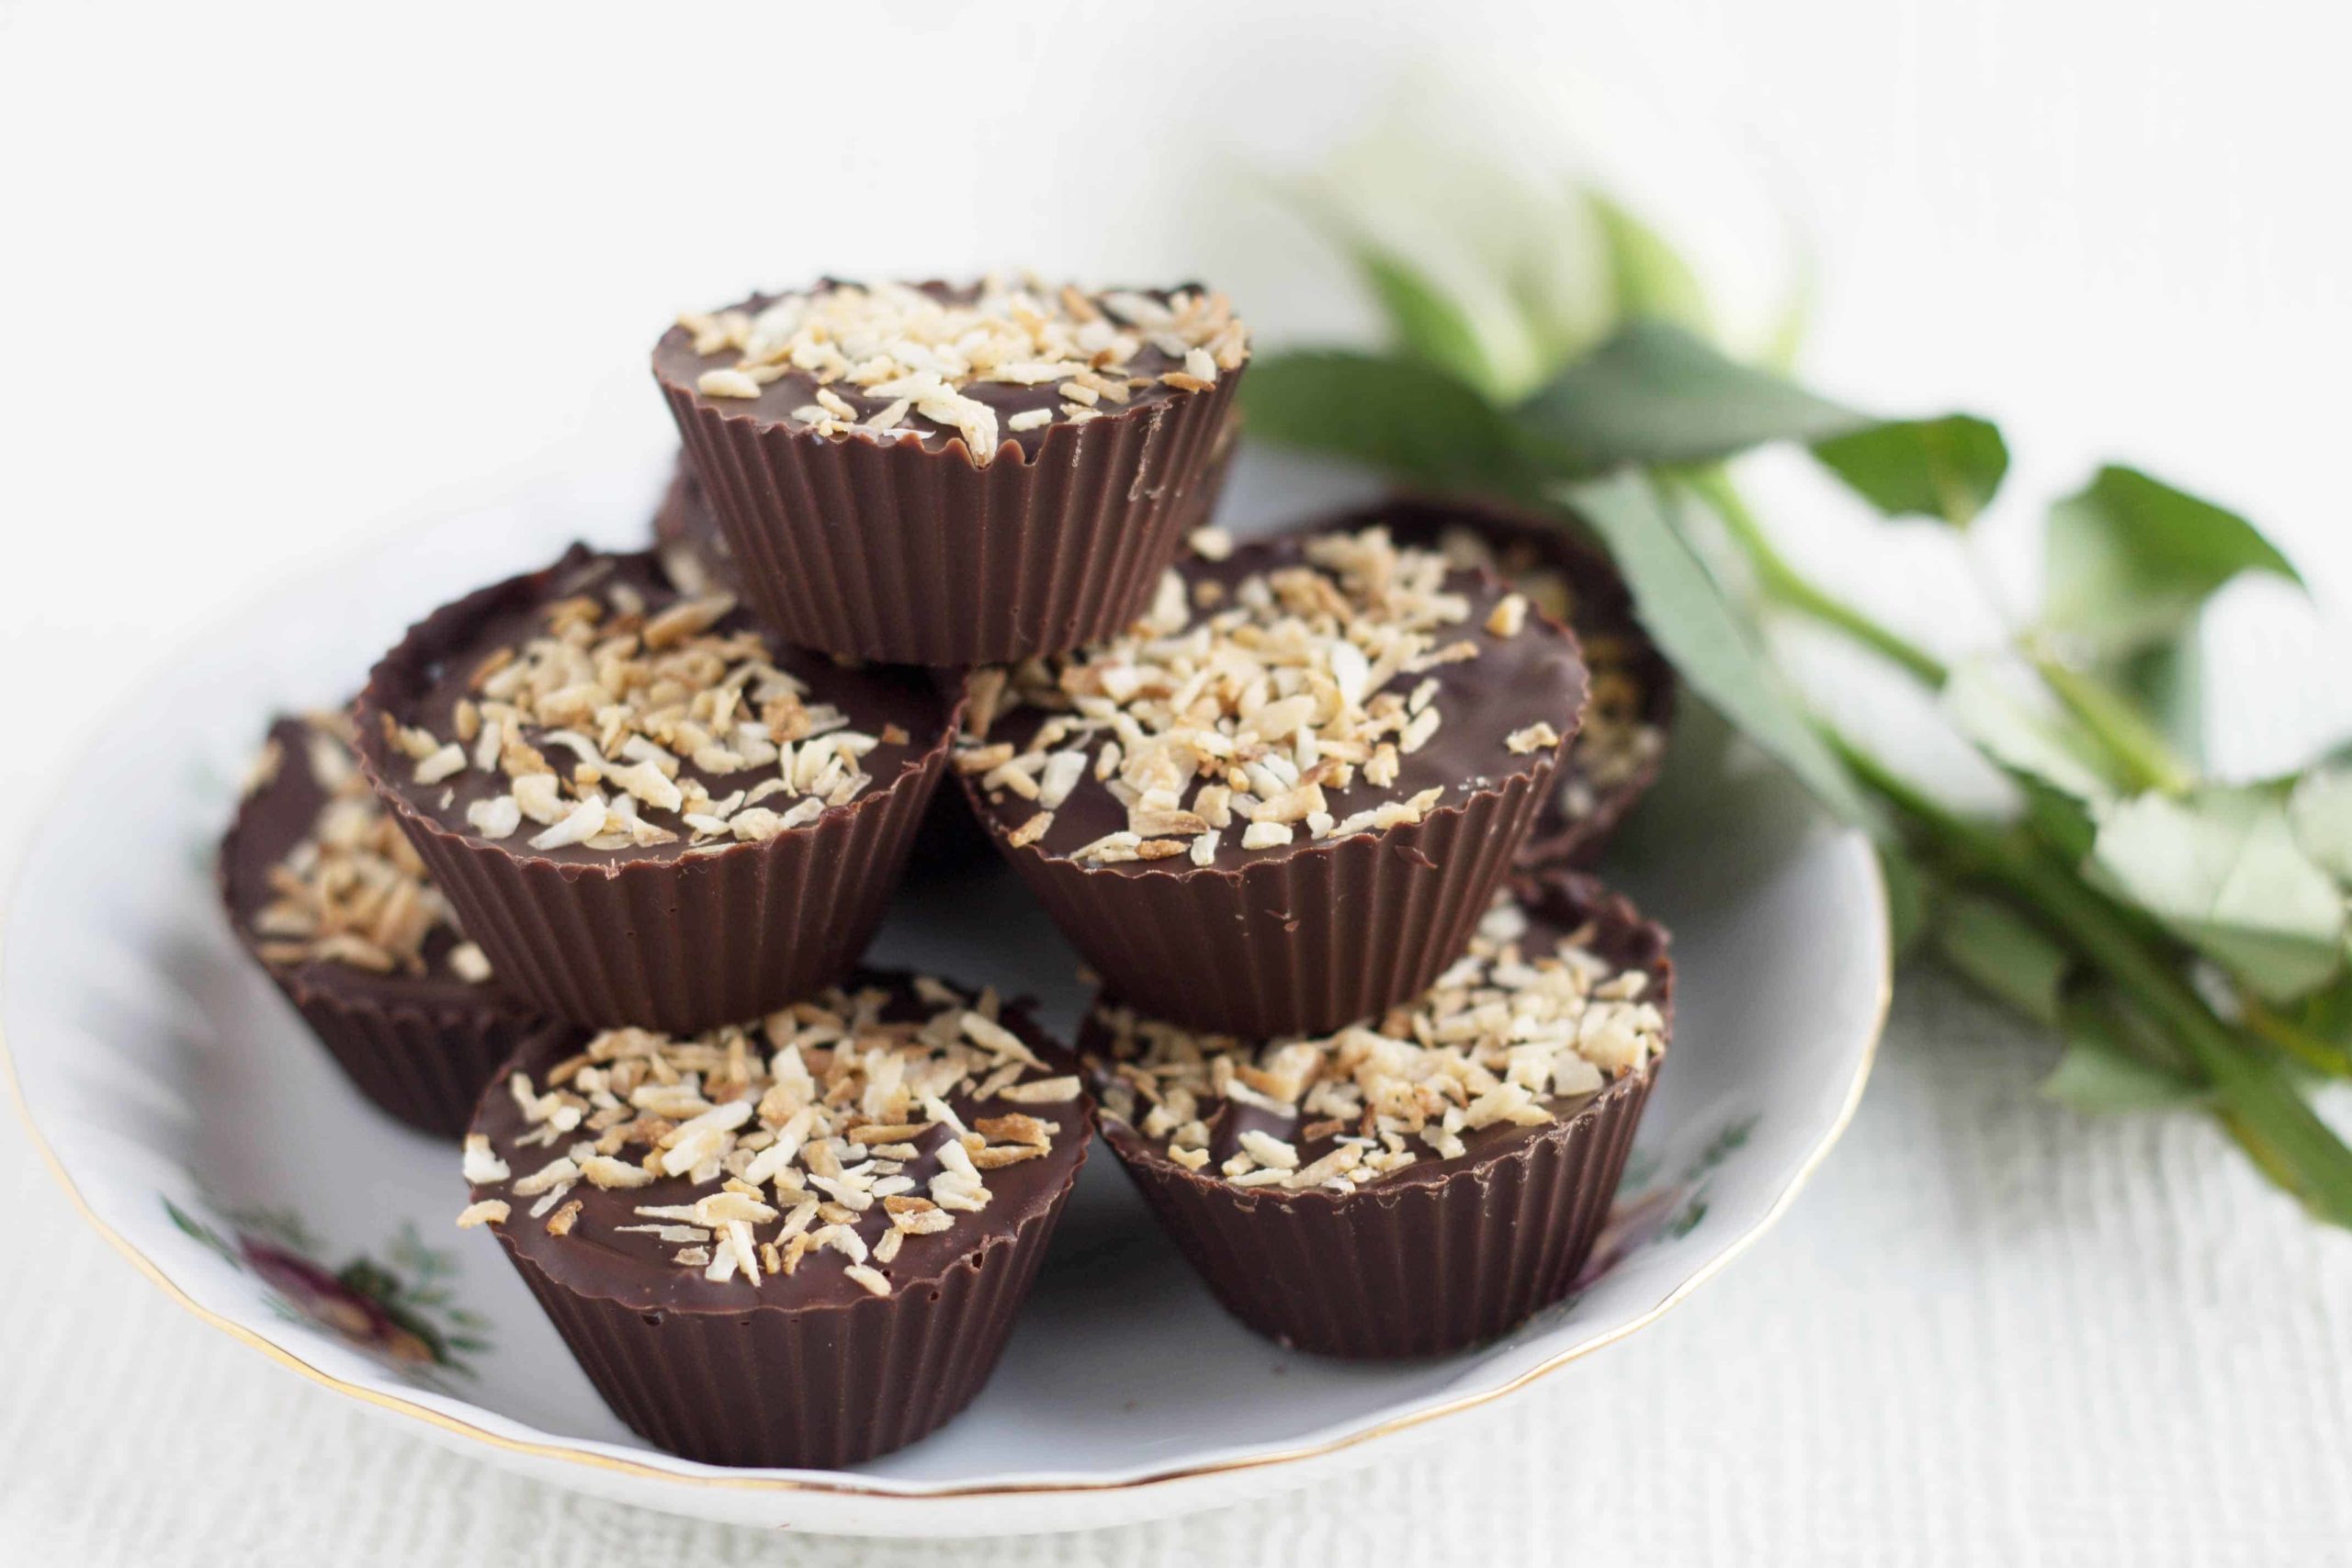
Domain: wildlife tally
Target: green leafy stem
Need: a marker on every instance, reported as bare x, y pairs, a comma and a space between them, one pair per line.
2185, 939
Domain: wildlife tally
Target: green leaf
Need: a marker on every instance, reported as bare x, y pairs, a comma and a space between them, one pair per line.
2320, 811
1907, 900
2168, 682
2131, 561
1947, 468
2022, 735
1652, 393
2223, 870
1647, 276
2006, 957
1409, 419
1424, 322
1714, 644
2091, 1078
2116, 1058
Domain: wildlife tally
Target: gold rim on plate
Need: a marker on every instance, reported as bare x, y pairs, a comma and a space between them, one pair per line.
760, 1481
765, 1483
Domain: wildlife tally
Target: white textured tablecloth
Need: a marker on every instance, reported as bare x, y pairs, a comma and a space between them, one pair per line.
335, 257
1991, 1333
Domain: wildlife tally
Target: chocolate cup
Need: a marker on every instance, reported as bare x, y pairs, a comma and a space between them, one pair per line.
1604, 609
679, 944
887, 550
424, 1064
421, 1052
1439, 1256
812, 1385
815, 1389
1298, 943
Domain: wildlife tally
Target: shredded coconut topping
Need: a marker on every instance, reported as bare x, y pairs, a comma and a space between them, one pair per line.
801, 1134
1616, 741
916, 353
1264, 715
351, 890
1504, 1036
590, 724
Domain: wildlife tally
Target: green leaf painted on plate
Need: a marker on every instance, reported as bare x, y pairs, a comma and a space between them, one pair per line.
2005, 956
1948, 468
1715, 646
2131, 561
2223, 872
1409, 419
1648, 277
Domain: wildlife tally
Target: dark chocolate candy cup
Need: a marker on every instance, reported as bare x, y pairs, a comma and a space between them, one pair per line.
424, 1064
1438, 1256
1297, 943
811, 1389
422, 1052
812, 1385
681, 945
1604, 608
885, 550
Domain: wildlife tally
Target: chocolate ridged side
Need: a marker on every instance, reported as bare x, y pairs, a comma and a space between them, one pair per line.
426, 1066
681, 942
809, 1389
1604, 609
1418, 1272
887, 551
1297, 943
688, 943
1434, 1258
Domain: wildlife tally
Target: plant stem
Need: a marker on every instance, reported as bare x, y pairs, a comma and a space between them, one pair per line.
2282, 1133
2313, 1051
2141, 755
1787, 586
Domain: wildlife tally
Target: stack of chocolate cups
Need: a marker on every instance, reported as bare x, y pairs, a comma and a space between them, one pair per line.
626, 824
886, 482
1259, 870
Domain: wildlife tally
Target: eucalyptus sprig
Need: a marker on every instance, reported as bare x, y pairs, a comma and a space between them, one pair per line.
2184, 938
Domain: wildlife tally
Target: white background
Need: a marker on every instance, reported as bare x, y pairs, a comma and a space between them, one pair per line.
271, 279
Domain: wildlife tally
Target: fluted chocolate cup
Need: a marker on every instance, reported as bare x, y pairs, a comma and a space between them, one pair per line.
419, 1045
806, 1372
1313, 934
901, 546
680, 939
1327, 934
1442, 1255
1632, 701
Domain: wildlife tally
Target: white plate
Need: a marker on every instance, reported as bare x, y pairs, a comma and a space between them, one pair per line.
207, 1136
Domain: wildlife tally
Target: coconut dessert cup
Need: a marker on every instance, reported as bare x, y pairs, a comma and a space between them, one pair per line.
1280, 801
800, 1242
1621, 745
1422, 1181
954, 474
645, 809
947, 842
334, 903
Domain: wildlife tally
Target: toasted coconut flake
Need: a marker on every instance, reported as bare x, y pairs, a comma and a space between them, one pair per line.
817, 1106
351, 890
1508, 1036
1289, 699
912, 350
489, 1212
